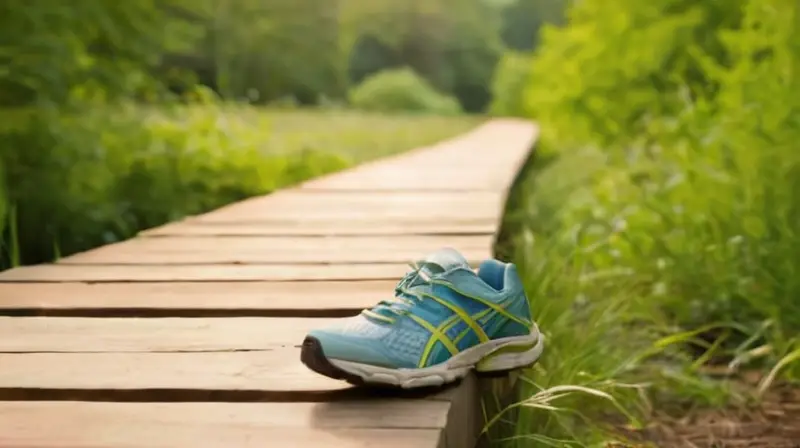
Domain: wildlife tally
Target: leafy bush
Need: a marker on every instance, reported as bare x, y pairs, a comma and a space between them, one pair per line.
401, 90
88, 175
616, 68
664, 221
509, 84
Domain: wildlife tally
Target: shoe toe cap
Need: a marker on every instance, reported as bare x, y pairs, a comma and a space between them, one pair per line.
346, 347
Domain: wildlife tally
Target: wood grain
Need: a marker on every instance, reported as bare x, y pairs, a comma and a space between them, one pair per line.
90, 335
409, 178
279, 297
341, 227
272, 374
202, 273
280, 250
385, 423
490, 165
414, 206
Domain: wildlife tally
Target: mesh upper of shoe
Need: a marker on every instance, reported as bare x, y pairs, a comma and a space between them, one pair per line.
401, 344
360, 339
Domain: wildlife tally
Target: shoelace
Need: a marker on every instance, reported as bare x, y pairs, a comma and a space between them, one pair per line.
402, 295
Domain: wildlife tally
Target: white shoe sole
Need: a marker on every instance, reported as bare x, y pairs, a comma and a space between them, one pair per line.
493, 356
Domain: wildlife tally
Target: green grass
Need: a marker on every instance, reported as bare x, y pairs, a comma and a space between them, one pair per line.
358, 136
644, 269
658, 229
85, 177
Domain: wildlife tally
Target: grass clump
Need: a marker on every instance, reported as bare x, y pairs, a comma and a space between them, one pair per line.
661, 243
87, 176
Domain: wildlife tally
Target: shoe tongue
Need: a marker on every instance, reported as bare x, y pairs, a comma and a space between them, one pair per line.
440, 261
444, 260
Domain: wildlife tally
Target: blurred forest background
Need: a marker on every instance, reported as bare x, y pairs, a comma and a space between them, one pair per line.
119, 116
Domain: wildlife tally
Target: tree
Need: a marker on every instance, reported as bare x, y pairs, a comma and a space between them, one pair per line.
454, 44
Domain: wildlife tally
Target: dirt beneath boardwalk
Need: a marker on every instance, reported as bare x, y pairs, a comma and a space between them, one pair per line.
773, 424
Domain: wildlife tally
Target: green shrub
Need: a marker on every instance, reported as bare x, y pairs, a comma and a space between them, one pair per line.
85, 177
91, 174
666, 223
401, 90
619, 66
509, 84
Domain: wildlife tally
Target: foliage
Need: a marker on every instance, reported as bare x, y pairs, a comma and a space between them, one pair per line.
662, 214
401, 90
508, 86
308, 50
454, 44
85, 177
51, 52
585, 64
266, 50
244, 48
523, 20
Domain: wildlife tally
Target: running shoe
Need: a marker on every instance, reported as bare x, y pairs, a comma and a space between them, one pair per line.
443, 321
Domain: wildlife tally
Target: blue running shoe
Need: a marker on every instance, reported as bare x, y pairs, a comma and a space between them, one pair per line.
443, 321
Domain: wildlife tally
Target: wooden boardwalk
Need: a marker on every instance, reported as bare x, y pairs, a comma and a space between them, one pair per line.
189, 335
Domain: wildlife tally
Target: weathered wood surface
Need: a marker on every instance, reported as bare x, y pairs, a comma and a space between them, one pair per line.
279, 250
343, 227
121, 335
332, 298
477, 161
327, 248
418, 206
214, 425
202, 273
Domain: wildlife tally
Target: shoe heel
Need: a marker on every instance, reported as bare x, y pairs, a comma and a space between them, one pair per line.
512, 356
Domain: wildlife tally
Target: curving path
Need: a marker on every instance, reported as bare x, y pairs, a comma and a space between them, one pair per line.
188, 335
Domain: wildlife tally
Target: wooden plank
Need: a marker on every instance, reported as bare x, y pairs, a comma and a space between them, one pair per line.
489, 166
252, 213
111, 256
202, 273
267, 374
91, 335
302, 298
368, 199
395, 423
340, 227
227, 376
159, 359
418, 243
409, 178
416, 206
276, 250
